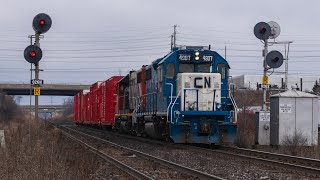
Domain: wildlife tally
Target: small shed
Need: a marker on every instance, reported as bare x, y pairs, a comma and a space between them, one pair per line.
294, 117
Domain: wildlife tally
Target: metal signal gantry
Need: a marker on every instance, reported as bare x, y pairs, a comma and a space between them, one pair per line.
41, 24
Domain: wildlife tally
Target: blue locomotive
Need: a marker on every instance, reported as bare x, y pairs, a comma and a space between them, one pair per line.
184, 97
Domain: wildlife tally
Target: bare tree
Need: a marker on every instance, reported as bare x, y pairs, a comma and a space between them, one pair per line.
8, 107
246, 121
68, 103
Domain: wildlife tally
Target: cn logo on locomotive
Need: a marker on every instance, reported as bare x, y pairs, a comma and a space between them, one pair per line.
200, 82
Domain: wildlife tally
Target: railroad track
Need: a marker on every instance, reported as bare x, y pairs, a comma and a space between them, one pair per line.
304, 165
129, 170
186, 173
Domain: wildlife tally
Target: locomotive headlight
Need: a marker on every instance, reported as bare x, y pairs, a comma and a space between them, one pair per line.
218, 105
197, 56
191, 105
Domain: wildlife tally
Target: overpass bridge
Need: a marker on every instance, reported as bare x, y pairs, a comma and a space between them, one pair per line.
46, 89
45, 111
45, 108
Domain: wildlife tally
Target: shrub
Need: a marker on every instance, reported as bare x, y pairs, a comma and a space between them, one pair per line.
294, 143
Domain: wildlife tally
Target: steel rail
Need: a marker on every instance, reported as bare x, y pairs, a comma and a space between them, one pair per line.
305, 169
260, 156
127, 169
178, 167
295, 159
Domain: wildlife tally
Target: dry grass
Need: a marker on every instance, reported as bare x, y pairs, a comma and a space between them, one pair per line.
296, 145
35, 150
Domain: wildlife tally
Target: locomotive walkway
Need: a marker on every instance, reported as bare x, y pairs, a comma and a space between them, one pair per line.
46, 89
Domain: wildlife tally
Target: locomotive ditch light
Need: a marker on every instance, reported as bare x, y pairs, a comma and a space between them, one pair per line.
218, 105
33, 54
41, 23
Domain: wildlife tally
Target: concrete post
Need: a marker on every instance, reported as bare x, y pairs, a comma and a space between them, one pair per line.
2, 140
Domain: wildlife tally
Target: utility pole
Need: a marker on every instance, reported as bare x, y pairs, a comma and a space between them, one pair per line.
286, 65
225, 51
171, 42
174, 36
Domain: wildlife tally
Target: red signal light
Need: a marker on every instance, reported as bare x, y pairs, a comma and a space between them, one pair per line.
32, 54
42, 22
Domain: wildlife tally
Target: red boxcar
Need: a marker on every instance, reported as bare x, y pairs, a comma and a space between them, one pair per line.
87, 108
94, 103
76, 107
97, 106
109, 101
100, 108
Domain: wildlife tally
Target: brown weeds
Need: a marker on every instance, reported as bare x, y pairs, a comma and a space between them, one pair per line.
36, 150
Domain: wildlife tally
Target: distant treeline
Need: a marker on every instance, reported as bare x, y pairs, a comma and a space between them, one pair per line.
8, 108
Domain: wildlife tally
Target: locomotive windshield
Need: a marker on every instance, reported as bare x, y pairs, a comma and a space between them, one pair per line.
183, 68
187, 68
204, 68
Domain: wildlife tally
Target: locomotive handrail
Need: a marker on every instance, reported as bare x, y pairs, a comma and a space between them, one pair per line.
233, 103
138, 100
174, 104
171, 93
151, 96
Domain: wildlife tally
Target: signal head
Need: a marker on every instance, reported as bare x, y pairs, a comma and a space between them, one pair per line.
275, 29
274, 59
33, 54
41, 23
262, 30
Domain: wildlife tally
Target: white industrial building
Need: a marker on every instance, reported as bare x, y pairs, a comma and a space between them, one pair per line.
251, 81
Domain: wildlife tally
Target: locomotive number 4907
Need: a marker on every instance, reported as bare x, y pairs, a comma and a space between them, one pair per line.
207, 58
183, 57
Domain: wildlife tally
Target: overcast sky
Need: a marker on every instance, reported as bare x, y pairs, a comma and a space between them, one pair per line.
93, 40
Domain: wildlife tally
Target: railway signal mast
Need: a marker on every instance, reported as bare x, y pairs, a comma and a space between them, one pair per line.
273, 59
33, 53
